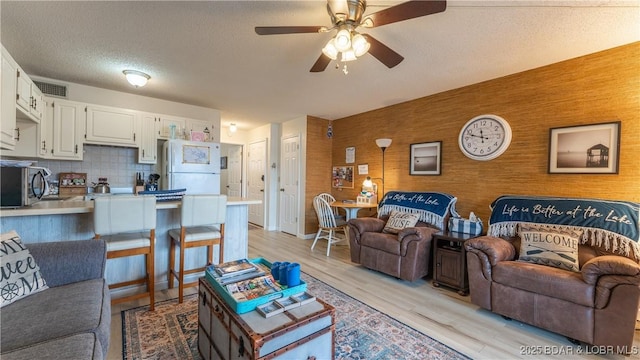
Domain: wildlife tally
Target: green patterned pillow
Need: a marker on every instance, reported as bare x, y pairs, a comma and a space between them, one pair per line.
547, 245
20, 274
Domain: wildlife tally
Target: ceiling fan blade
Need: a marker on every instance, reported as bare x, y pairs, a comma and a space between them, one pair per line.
321, 64
277, 30
405, 11
383, 53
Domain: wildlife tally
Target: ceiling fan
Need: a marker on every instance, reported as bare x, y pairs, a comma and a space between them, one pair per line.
346, 17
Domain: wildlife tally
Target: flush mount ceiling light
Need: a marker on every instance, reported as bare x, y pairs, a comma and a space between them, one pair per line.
136, 78
233, 128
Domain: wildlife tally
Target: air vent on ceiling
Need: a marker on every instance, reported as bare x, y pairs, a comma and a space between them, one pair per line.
51, 89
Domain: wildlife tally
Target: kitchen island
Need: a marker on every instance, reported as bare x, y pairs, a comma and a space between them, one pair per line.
72, 219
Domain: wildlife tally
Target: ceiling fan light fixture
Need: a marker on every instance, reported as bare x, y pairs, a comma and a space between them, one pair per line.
343, 40
330, 50
136, 78
360, 45
348, 55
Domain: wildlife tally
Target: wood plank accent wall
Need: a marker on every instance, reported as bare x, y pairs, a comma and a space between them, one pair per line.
596, 88
318, 172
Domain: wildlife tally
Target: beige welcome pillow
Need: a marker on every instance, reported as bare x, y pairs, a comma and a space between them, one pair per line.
400, 220
20, 274
547, 245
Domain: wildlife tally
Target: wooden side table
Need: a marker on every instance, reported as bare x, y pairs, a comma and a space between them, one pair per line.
450, 261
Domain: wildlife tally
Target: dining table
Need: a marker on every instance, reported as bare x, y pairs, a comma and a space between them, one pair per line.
351, 208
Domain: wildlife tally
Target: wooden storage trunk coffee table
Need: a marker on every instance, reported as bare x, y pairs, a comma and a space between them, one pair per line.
304, 332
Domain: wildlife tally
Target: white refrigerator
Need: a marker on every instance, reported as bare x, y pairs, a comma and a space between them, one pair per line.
191, 165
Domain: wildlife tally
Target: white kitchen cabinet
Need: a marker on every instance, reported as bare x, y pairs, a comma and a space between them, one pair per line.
148, 149
8, 101
163, 123
29, 99
183, 126
37, 110
25, 140
45, 132
23, 97
22, 107
111, 126
200, 125
66, 129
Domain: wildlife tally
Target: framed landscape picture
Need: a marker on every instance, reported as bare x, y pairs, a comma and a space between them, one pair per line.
585, 149
425, 158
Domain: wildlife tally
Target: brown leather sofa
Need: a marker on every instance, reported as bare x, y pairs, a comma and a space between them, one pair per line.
597, 305
406, 255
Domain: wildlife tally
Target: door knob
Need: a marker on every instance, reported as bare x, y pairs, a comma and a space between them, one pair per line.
282, 190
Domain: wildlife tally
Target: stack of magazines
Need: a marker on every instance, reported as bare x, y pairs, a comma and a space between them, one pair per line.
253, 288
243, 279
234, 271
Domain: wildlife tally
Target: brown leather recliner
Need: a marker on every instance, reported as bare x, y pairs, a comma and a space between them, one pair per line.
406, 255
597, 305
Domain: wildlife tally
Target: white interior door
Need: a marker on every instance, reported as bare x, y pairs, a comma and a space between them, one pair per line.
234, 169
257, 159
289, 180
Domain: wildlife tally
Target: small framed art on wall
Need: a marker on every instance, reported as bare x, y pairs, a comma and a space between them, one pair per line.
426, 158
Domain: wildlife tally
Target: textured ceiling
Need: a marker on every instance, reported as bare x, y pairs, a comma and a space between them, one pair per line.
207, 53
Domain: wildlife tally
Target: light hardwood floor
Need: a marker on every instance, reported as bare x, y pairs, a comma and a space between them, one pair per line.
438, 312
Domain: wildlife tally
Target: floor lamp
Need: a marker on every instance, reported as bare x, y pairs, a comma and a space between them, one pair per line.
383, 144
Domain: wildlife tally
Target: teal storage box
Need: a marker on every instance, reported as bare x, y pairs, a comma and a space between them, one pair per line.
241, 307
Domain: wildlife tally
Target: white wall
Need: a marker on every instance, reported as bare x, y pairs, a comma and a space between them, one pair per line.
239, 137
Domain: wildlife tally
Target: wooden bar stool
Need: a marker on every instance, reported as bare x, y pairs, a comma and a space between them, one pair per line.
127, 224
202, 220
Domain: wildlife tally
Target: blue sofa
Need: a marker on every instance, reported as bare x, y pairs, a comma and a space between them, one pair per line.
71, 319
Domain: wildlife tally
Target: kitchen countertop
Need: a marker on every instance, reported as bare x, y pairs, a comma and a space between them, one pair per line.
77, 205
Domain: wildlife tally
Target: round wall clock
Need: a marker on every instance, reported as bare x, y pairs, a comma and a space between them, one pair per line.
485, 137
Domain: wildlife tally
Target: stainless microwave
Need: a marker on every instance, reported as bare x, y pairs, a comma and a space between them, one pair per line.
21, 186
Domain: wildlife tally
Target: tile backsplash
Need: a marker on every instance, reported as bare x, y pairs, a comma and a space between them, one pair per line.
119, 165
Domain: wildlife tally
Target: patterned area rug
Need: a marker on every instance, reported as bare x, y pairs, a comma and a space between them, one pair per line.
362, 332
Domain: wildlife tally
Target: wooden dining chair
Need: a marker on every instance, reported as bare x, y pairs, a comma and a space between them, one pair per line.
328, 226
